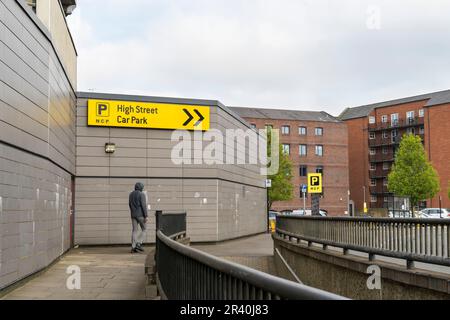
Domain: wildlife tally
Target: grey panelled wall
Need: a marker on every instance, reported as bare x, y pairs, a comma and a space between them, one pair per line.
37, 146
222, 201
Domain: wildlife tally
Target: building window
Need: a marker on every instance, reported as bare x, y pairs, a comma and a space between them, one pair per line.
303, 150
372, 120
285, 130
394, 119
411, 131
373, 182
303, 171
385, 135
385, 151
422, 113
319, 131
373, 199
394, 133
253, 126
287, 149
302, 131
373, 151
422, 130
384, 119
319, 151
410, 116
372, 136
319, 169
373, 167
385, 182
386, 166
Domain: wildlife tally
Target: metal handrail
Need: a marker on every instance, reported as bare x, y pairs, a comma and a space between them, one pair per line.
421, 240
190, 274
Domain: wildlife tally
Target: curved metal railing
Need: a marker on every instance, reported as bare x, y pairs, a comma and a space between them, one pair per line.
421, 240
184, 273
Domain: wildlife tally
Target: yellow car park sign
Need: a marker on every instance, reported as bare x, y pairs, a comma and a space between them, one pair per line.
128, 114
315, 183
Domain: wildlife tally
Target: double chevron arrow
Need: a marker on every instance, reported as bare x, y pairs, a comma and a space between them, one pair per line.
191, 117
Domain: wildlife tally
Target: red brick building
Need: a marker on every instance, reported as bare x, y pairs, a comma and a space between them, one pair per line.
375, 133
316, 142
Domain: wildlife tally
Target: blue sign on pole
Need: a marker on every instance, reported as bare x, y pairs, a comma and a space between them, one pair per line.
304, 188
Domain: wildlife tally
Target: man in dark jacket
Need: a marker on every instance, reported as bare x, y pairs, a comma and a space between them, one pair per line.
139, 217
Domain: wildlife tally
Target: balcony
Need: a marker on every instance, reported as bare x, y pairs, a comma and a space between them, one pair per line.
380, 157
380, 141
380, 189
379, 174
401, 123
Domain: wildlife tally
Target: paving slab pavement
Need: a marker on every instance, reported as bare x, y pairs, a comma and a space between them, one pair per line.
109, 273
113, 273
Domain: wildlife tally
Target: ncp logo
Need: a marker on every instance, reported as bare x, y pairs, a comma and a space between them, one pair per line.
102, 109
315, 181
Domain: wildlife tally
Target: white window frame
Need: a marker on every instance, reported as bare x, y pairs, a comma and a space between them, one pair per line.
373, 151
319, 129
288, 149
373, 199
300, 129
409, 114
384, 119
300, 148
373, 182
372, 136
385, 135
421, 113
394, 133
386, 166
385, 151
373, 167
321, 148
394, 119
287, 132
372, 120
422, 130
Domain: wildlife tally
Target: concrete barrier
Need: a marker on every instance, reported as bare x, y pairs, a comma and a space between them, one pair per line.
347, 275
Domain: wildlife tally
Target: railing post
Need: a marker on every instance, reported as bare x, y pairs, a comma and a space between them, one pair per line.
158, 216
410, 264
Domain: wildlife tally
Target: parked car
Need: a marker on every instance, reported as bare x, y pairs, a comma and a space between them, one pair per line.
308, 212
435, 213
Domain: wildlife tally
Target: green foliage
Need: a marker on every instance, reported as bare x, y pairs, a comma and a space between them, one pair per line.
282, 188
413, 175
448, 191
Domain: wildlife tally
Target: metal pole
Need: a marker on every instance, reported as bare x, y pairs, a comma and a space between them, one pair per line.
350, 214
304, 203
440, 206
364, 210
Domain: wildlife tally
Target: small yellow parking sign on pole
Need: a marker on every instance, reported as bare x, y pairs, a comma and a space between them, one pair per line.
315, 183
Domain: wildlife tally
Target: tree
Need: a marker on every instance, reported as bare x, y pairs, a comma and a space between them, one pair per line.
413, 175
282, 188
448, 191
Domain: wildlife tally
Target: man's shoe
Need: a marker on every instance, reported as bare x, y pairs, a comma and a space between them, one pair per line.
140, 249
134, 250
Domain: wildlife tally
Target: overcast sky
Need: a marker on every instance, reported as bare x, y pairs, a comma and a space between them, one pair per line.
299, 54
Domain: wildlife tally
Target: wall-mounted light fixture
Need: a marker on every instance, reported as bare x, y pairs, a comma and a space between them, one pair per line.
110, 147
